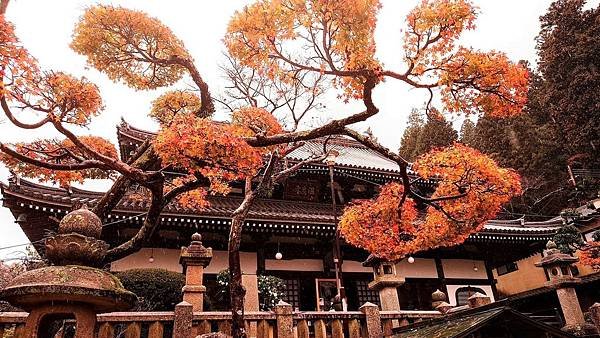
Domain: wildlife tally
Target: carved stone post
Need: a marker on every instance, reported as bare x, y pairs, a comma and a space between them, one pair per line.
182, 323
194, 259
558, 266
285, 321
372, 326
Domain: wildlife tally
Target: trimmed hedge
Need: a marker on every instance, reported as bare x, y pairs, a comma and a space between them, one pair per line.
157, 289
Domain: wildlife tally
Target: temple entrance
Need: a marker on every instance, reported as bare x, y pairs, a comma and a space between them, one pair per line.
325, 295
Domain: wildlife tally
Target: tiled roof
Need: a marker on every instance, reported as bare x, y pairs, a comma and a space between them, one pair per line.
352, 154
263, 210
220, 206
464, 323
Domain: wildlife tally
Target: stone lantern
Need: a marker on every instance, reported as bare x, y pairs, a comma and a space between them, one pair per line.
438, 297
386, 281
558, 267
194, 258
74, 287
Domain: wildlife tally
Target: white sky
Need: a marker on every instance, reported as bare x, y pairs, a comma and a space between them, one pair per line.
45, 27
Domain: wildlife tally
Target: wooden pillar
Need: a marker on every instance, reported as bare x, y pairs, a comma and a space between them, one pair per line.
194, 259
439, 267
493, 281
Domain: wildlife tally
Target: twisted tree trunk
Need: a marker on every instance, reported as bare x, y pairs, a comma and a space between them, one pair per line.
3, 5
237, 291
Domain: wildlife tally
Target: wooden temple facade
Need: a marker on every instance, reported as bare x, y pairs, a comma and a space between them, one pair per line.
295, 220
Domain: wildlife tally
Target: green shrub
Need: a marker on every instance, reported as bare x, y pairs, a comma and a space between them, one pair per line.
270, 289
157, 289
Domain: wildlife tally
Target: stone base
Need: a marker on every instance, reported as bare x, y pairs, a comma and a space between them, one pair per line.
85, 318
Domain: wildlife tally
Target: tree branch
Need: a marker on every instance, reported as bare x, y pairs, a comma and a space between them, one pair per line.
11, 117
87, 164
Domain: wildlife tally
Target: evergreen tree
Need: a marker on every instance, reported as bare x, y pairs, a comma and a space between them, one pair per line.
411, 136
568, 47
467, 132
437, 132
420, 136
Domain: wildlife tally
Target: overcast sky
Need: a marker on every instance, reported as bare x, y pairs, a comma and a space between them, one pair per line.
45, 27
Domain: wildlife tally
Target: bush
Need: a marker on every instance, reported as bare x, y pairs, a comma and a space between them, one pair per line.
157, 289
270, 289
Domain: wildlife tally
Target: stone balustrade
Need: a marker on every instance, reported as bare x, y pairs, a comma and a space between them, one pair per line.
281, 323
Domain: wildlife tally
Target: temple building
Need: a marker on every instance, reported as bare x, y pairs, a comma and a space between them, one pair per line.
290, 234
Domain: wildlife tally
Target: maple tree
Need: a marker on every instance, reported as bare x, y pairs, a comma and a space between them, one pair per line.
281, 52
470, 189
590, 254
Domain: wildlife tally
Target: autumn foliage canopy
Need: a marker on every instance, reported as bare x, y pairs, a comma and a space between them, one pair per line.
282, 41
470, 189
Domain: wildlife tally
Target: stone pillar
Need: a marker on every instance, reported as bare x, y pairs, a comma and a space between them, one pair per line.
372, 320
251, 302
595, 312
250, 283
194, 259
182, 323
285, 321
386, 281
558, 267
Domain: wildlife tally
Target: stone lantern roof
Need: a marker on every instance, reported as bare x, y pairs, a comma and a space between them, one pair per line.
555, 257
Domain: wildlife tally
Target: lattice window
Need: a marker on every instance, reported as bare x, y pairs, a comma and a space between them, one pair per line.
365, 294
292, 293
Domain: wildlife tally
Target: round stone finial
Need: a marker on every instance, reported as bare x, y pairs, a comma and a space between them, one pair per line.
196, 237
81, 221
551, 245
438, 296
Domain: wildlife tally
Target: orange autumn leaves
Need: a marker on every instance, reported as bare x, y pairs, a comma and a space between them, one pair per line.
129, 45
476, 82
215, 150
62, 96
269, 34
590, 255
433, 27
336, 38
59, 152
474, 185
17, 66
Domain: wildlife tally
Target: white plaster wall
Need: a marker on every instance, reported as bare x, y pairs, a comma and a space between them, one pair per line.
463, 268
452, 292
295, 264
588, 236
421, 268
220, 261
354, 266
169, 259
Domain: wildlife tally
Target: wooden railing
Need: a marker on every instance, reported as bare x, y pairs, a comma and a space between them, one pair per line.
281, 323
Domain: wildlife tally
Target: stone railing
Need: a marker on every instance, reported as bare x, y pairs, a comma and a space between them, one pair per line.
281, 323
